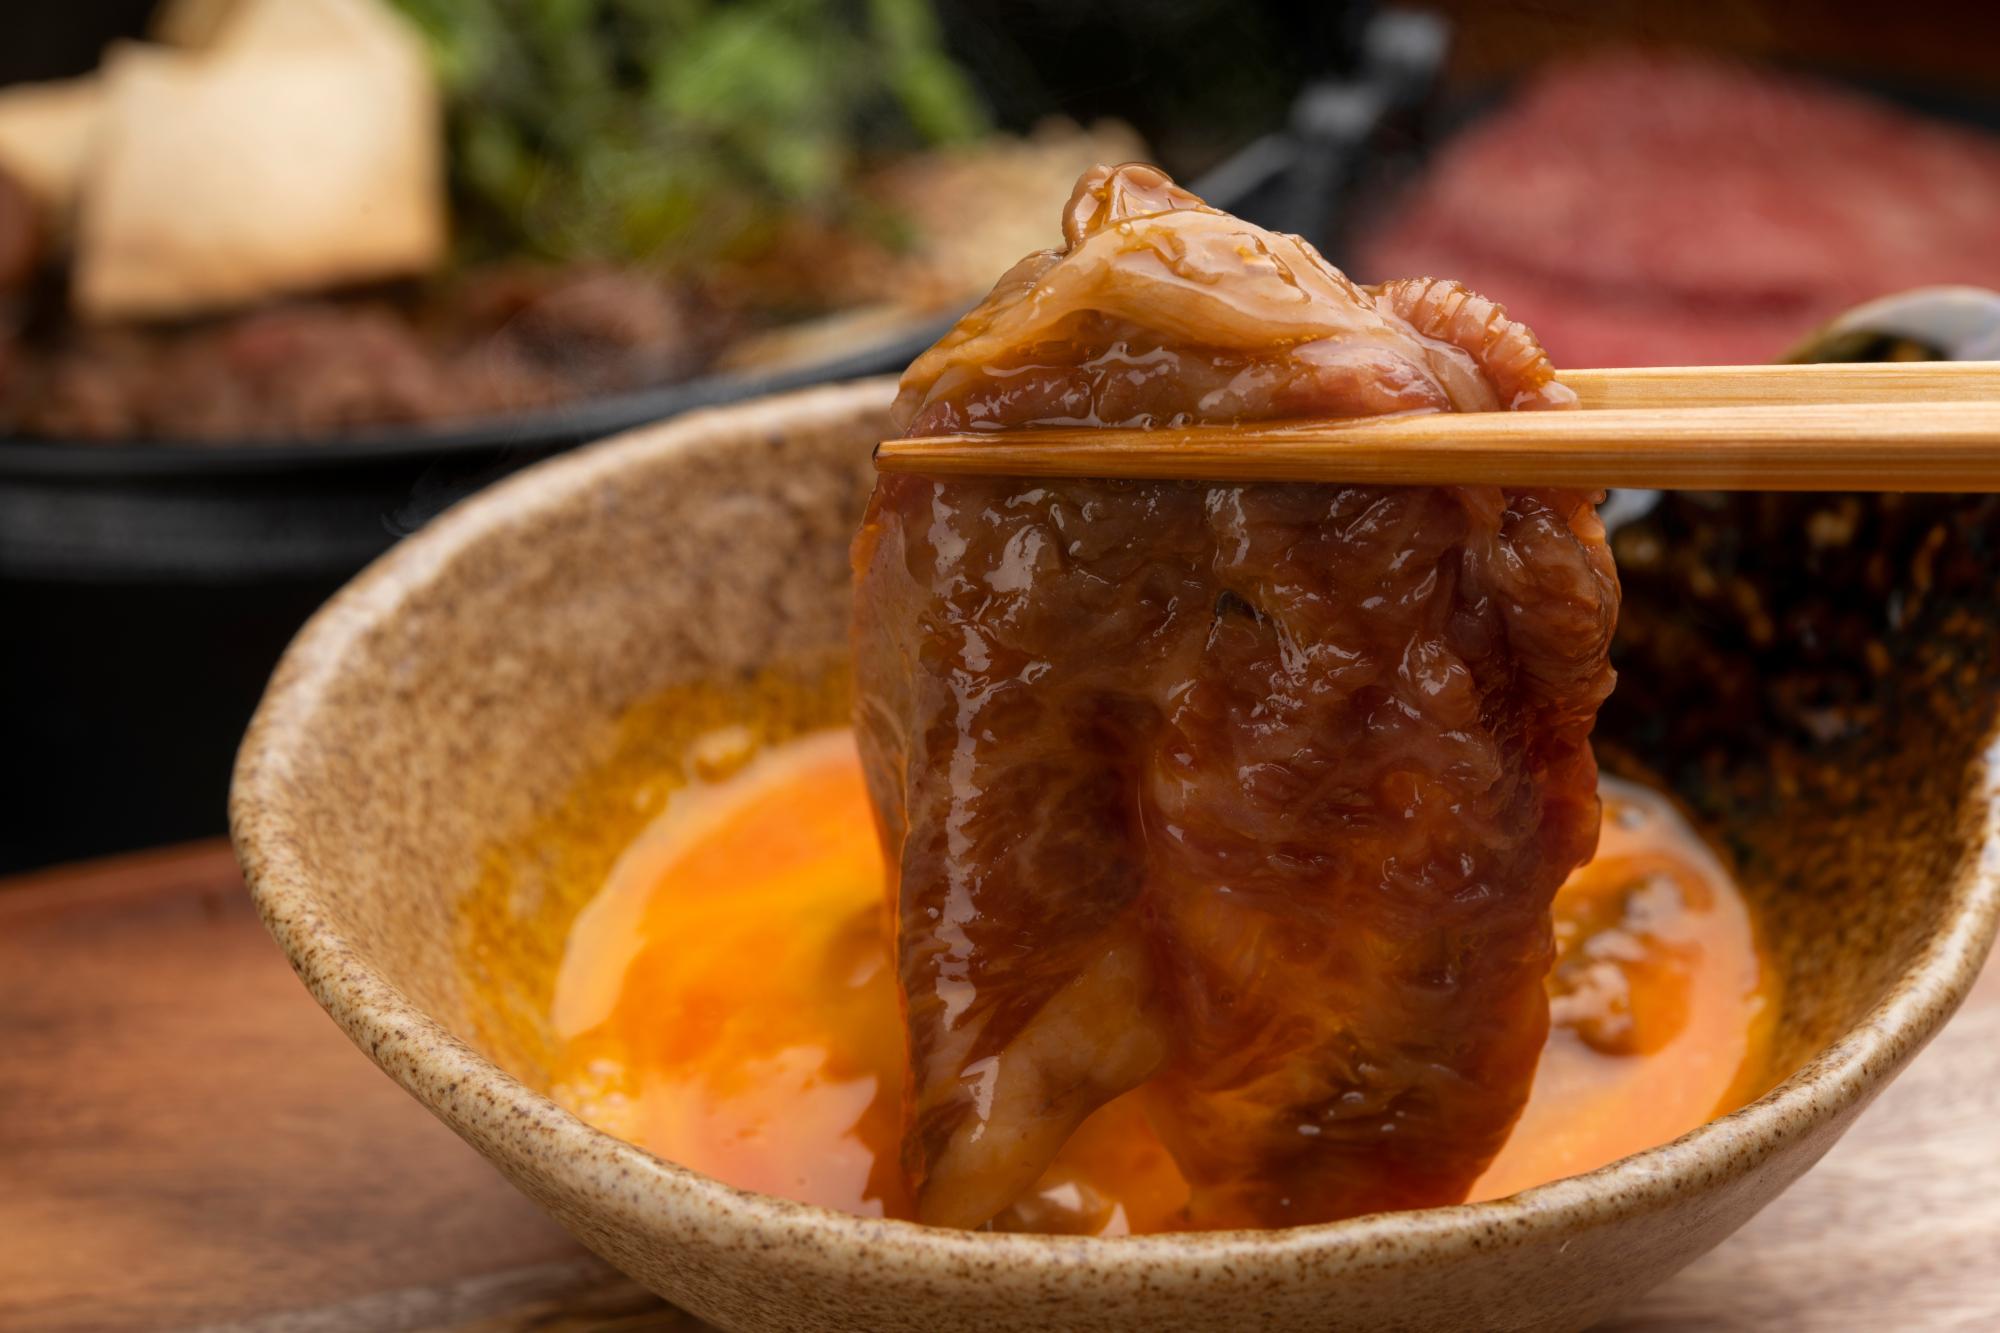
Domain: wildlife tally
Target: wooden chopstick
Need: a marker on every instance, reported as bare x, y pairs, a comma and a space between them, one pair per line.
1764, 386
1934, 427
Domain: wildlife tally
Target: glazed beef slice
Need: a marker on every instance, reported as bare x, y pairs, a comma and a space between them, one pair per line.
1252, 796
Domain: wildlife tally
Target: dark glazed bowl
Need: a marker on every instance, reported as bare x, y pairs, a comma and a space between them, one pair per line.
1816, 677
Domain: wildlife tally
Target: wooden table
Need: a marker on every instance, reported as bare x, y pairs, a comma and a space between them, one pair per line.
186, 1141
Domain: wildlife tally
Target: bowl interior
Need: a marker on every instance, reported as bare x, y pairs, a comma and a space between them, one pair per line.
1814, 677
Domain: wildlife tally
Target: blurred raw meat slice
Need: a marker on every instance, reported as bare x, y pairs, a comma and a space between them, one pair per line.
1622, 205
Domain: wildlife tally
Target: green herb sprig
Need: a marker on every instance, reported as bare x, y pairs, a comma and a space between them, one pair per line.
679, 131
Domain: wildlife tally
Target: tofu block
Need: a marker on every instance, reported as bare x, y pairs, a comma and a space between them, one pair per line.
302, 150
46, 133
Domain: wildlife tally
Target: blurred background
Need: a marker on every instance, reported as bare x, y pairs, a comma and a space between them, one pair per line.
281, 279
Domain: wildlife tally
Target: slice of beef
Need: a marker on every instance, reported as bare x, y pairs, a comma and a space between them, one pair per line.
1252, 796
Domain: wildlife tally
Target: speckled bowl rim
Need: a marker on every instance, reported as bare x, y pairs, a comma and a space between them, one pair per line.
490, 1108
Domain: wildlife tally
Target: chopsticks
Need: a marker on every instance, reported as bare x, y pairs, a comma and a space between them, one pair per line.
1919, 426
1767, 386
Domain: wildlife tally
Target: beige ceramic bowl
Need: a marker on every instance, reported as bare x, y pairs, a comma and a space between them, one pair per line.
458, 689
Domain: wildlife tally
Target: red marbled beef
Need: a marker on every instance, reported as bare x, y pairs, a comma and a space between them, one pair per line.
1251, 796
1674, 210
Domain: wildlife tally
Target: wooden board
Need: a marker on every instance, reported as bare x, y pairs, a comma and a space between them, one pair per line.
186, 1141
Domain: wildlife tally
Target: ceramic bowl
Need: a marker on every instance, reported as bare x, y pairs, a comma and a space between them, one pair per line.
1815, 677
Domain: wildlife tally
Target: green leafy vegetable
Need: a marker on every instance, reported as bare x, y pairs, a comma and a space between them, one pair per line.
679, 130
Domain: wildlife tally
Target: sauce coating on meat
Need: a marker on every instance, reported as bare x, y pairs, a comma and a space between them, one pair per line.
1253, 797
